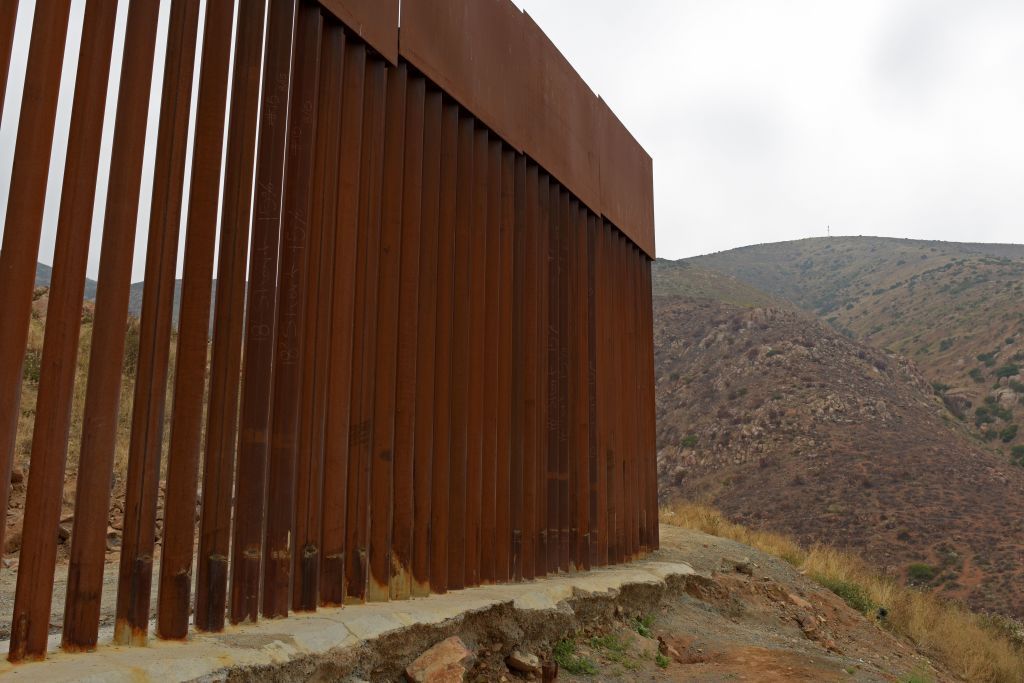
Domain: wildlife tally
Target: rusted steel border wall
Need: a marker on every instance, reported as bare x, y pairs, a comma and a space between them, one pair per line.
436, 370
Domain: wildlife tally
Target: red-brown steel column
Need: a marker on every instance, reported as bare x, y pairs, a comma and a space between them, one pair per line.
296, 245
8, 19
460, 359
174, 604
425, 344
554, 384
142, 483
477, 341
441, 484
536, 462
364, 354
618, 399
651, 405
544, 336
405, 494
261, 307
520, 379
229, 318
506, 424
339, 386
489, 494
580, 365
60, 346
386, 371
26, 200
564, 293
630, 365
319, 278
596, 511
102, 399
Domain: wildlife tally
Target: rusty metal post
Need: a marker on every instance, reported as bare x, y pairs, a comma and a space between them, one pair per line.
289, 356
441, 484
533, 423
595, 512
229, 317
476, 341
340, 368
382, 453
554, 384
544, 337
515, 184
564, 294
460, 359
26, 200
60, 346
426, 337
580, 391
8, 19
405, 494
261, 307
305, 590
174, 604
103, 392
142, 483
364, 354
488, 541
506, 425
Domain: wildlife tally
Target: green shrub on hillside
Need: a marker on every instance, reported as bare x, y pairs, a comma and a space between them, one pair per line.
920, 573
977, 375
689, 441
1017, 455
946, 344
989, 359
1008, 434
1008, 370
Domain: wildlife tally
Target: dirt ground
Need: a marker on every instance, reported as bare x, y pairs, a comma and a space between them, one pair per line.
744, 616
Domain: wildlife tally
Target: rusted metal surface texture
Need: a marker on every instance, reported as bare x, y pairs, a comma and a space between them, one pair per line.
375, 21
24, 220
131, 624
229, 317
175, 604
8, 19
261, 307
102, 398
60, 347
289, 352
430, 361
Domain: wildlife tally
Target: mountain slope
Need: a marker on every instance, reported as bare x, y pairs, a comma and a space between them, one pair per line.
956, 309
783, 423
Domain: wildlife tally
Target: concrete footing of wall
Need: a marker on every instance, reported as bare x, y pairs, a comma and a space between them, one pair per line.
374, 641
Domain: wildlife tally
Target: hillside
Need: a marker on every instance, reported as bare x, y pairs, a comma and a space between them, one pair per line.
956, 309
783, 423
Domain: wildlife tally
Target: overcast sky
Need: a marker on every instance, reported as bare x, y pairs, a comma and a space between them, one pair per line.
770, 120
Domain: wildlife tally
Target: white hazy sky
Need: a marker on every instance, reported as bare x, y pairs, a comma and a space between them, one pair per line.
768, 121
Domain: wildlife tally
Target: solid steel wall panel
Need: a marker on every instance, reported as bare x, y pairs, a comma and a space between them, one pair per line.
627, 180
375, 21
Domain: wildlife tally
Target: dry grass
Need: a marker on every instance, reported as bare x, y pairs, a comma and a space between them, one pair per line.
973, 646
